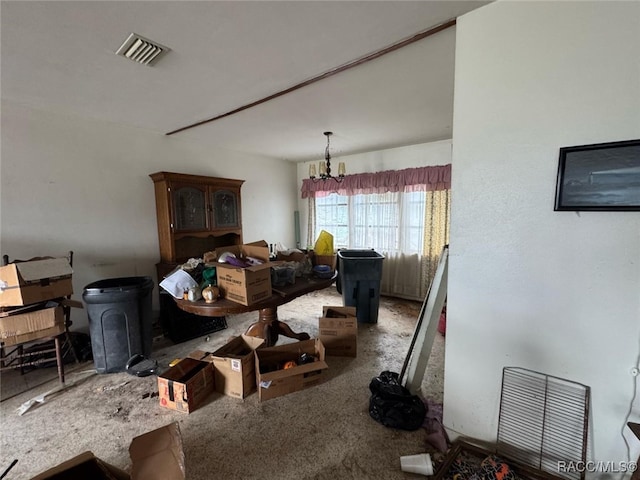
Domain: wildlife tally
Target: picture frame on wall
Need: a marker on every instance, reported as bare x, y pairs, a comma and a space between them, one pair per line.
600, 177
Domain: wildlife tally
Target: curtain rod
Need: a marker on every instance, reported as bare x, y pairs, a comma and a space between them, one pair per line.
342, 68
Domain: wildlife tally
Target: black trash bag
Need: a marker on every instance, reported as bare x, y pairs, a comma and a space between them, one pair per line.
393, 405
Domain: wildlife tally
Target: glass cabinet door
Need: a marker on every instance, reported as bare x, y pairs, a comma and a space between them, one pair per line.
225, 209
189, 205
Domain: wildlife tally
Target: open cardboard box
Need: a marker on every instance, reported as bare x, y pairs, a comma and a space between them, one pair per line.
338, 330
185, 386
273, 381
473, 455
233, 365
245, 285
299, 257
154, 455
24, 283
259, 250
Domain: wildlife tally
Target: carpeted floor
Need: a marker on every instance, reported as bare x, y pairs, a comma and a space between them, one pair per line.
324, 432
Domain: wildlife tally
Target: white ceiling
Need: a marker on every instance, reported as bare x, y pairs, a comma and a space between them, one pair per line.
59, 56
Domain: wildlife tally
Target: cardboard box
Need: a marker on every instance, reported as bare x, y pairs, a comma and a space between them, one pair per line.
233, 365
156, 454
259, 250
299, 257
85, 465
246, 285
338, 331
273, 381
324, 260
32, 325
186, 385
24, 283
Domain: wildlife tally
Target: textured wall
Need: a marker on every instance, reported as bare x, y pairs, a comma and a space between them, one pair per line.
557, 292
76, 184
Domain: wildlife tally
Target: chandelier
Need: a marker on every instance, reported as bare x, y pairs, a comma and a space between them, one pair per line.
325, 166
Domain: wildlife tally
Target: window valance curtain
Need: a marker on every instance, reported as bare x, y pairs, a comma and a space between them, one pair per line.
408, 180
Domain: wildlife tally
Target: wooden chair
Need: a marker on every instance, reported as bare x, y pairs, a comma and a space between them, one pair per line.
17, 358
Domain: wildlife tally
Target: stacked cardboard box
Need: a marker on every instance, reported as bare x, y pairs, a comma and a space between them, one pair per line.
31, 325
26, 283
24, 289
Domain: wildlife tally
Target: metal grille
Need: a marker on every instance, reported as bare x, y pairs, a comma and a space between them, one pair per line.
543, 421
141, 50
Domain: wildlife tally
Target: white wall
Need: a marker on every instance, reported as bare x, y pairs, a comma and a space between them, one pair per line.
75, 184
422, 155
556, 292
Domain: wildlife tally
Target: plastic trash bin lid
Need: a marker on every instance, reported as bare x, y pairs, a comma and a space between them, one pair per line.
118, 285
359, 254
140, 366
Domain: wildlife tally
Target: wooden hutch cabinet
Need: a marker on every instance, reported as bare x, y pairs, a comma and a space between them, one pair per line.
196, 214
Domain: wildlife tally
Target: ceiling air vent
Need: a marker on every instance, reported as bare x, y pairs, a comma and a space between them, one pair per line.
141, 50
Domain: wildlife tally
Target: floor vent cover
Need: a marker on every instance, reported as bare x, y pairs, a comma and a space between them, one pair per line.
543, 422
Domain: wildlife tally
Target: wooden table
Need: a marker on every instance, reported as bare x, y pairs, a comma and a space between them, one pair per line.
268, 326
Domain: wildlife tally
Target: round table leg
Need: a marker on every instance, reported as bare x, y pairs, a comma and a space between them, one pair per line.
270, 328
265, 327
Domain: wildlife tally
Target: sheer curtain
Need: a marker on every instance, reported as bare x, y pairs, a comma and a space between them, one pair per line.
401, 214
407, 273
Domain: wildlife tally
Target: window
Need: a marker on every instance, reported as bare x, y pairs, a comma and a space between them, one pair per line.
332, 215
389, 222
402, 214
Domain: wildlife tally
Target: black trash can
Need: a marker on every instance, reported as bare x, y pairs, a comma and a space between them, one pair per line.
359, 275
119, 311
